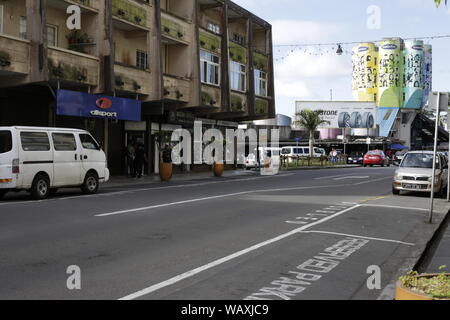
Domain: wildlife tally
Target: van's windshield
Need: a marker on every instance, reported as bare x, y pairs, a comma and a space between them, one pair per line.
5, 141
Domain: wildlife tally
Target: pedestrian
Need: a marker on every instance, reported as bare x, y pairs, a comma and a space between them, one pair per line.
131, 154
139, 161
334, 156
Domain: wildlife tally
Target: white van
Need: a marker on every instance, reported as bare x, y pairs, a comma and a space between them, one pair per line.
292, 152
41, 160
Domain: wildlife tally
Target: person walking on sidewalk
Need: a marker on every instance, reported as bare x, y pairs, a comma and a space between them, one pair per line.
139, 161
131, 154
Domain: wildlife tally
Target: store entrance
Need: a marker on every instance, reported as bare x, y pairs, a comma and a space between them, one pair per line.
132, 140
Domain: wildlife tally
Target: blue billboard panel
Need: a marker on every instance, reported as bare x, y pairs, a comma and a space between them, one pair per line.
385, 120
81, 104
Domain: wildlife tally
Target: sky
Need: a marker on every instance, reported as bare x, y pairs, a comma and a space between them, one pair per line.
309, 73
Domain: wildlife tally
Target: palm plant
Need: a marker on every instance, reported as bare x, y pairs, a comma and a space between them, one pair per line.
438, 2
310, 121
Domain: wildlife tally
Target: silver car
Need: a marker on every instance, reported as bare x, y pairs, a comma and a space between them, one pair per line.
414, 173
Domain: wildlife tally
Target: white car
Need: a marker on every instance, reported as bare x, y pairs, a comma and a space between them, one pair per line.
250, 161
41, 160
414, 173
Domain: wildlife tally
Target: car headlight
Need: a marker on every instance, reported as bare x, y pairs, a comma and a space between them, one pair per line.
397, 177
350, 159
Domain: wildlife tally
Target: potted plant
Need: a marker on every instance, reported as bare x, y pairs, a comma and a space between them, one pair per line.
415, 286
165, 165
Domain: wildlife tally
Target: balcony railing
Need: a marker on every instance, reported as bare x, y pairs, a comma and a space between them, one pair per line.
173, 28
176, 88
94, 4
73, 67
130, 12
14, 55
131, 79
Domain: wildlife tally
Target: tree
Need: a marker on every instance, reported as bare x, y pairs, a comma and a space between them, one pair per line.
310, 121
438, 2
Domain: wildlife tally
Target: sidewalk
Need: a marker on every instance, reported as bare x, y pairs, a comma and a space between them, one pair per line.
441, 256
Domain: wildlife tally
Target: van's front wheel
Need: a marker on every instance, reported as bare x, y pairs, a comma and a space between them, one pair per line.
40, 188
90, 184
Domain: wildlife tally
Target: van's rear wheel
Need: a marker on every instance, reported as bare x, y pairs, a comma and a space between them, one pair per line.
2, 194
90, 184
40, 188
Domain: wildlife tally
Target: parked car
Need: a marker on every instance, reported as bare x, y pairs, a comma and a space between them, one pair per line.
292, 152
41, 160
415, 173
376, 158
355, 158
250, 162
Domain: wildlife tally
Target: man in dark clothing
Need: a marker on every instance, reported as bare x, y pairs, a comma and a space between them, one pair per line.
139, 160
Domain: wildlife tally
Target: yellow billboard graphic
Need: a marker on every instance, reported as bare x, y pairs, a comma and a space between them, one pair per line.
390, 74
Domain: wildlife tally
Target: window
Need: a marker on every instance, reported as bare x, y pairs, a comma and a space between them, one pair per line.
5, 141
1, 19
52, 35
141, 60
88, 142
213, 27
238, 76
23, 27
64, 142
34, 141
260, 83
209, 68
237, 38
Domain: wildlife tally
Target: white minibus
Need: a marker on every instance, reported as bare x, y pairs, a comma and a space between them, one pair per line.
41, 160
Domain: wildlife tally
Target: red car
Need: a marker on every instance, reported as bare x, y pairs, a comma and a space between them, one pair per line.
376, 158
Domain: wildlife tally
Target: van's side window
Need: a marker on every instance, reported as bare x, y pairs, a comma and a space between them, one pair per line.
5, 141
35, 141
64, 142
88, 142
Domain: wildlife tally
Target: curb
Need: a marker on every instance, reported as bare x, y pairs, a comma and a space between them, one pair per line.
416, 261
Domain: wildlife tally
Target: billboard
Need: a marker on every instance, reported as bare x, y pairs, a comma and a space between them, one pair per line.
390, 74
427, 72
365, 72
80, 104
413, 66
343, 114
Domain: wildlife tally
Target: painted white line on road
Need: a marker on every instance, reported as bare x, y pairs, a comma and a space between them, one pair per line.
329, 177
230, 257
357, 236
392, 207
351, 177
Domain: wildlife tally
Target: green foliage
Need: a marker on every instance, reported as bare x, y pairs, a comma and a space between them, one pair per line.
309, 120
438, 2
261, 106
64, 71
130, 12
209, 42
260, 62
238, 53
5, 59
172, 29
236, 103
436, 287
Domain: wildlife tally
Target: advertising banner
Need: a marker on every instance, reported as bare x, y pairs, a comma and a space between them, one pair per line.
413, 86
365, 72
80, 104
343, 114
427, 72
390, 74
385, 120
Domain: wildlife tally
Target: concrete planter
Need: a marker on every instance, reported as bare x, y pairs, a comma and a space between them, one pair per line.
165, 171
403, 293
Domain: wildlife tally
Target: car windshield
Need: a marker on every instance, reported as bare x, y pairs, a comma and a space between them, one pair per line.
286, 151
418, 160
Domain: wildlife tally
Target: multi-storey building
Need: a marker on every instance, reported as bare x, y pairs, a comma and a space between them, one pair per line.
183, 59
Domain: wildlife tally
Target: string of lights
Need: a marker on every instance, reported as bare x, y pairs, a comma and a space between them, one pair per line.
339, 48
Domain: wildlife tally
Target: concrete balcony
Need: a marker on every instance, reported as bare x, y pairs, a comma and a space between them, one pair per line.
174, 30
131, 13
176, 88
211, 98
132, 80
73, 67
92, 5
14, 56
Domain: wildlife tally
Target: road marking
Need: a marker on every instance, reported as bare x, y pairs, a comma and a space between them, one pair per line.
328, 177
393, 207
107, 214
351, 177
230, 257
357, 236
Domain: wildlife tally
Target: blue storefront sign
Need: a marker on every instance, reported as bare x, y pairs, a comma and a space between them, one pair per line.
80, 104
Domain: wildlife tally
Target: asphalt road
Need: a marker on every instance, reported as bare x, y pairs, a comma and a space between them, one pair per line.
298, 235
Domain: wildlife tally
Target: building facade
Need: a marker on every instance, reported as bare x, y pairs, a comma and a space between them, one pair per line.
183, 59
